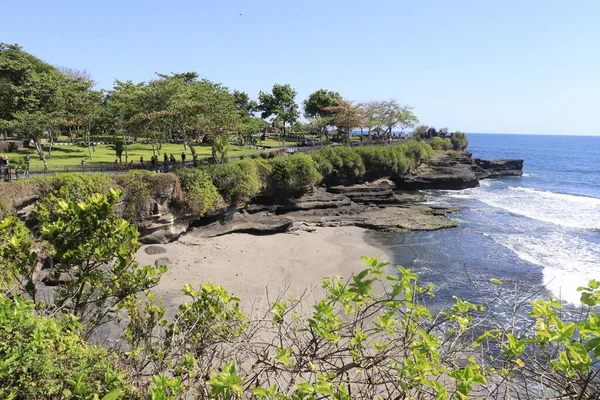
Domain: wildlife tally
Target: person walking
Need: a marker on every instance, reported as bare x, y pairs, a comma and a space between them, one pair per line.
183, 159
27, 161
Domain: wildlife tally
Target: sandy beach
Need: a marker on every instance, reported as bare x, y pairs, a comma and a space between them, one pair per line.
259, 268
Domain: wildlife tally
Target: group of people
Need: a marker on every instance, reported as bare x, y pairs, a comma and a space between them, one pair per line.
169, 162
5, 169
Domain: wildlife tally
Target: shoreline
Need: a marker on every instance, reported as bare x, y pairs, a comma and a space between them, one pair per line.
259, 268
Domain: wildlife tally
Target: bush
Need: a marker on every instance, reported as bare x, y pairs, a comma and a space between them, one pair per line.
200, 193
140, 186
459, 141
382, 162
416, 152
438, 143
68, 187
237, 182
294, 173
43, 358
346, 164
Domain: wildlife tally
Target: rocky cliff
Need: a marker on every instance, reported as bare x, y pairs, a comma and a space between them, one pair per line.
448, 172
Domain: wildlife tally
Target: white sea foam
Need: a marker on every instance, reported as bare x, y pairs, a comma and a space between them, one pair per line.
568, 261
565, 210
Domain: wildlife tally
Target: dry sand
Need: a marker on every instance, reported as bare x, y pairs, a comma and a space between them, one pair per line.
252, 266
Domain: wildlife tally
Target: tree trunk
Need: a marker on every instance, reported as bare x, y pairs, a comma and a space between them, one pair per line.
51, 136
194, 155
125, 144
38, 148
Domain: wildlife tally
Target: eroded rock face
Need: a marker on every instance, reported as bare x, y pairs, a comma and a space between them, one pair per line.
444, 172
378, 192
242, 222
459, 172
485, 169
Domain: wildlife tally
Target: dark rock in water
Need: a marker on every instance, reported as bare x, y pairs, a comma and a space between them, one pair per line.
163, 261
458, 172
259, 224
151, 250
485, 169
444, 172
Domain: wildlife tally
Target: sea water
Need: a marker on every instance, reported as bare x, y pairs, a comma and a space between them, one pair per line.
540, 233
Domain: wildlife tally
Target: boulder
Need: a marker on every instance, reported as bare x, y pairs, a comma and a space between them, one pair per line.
163, 261
162, 228
152, 250
241, 222
485, 169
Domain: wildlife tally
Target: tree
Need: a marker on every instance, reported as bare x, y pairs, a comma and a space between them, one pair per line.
280, 103
385, 116
420, 131
315, 104
346, 116
30, 95
243, 103
459, 140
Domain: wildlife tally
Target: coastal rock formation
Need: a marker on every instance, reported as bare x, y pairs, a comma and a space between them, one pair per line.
448, 172
378, 192
443, 172
485, 169
241, 222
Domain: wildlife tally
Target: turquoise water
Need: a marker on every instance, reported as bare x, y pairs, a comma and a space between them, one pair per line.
540, 232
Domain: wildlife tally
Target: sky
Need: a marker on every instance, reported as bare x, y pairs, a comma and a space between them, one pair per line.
510, 66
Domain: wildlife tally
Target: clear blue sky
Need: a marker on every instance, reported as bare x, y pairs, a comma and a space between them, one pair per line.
511, 66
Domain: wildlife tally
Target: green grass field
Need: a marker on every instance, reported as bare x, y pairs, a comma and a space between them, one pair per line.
72, 155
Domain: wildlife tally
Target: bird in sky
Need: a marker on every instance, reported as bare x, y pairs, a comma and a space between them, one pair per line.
240, 14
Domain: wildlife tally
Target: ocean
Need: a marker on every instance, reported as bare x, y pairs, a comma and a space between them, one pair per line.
539, 233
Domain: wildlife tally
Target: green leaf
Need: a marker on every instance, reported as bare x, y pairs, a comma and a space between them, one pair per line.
115, 394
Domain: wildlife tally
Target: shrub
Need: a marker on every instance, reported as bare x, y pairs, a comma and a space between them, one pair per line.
294, 173
347, 165
459, 141
416, 152
264, 155
68, 187
237, 182
43, 358
382, 162
272, 154
438, 143
200, 193
139, 187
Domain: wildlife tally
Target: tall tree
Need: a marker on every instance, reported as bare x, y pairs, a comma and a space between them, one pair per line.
385, 116
243, 103
281, 103
315, 104
30, 92
346, 116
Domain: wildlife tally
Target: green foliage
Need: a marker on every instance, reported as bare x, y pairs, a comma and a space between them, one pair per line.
139, 187
281, 103
294, 173
383, 161
43, 358
459, 141
67, 187
15, 252
200, 193
95, 253
315, 104
438, 143
346, 164
237, 182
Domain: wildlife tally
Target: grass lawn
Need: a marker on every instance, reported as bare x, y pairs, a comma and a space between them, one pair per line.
72, 155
